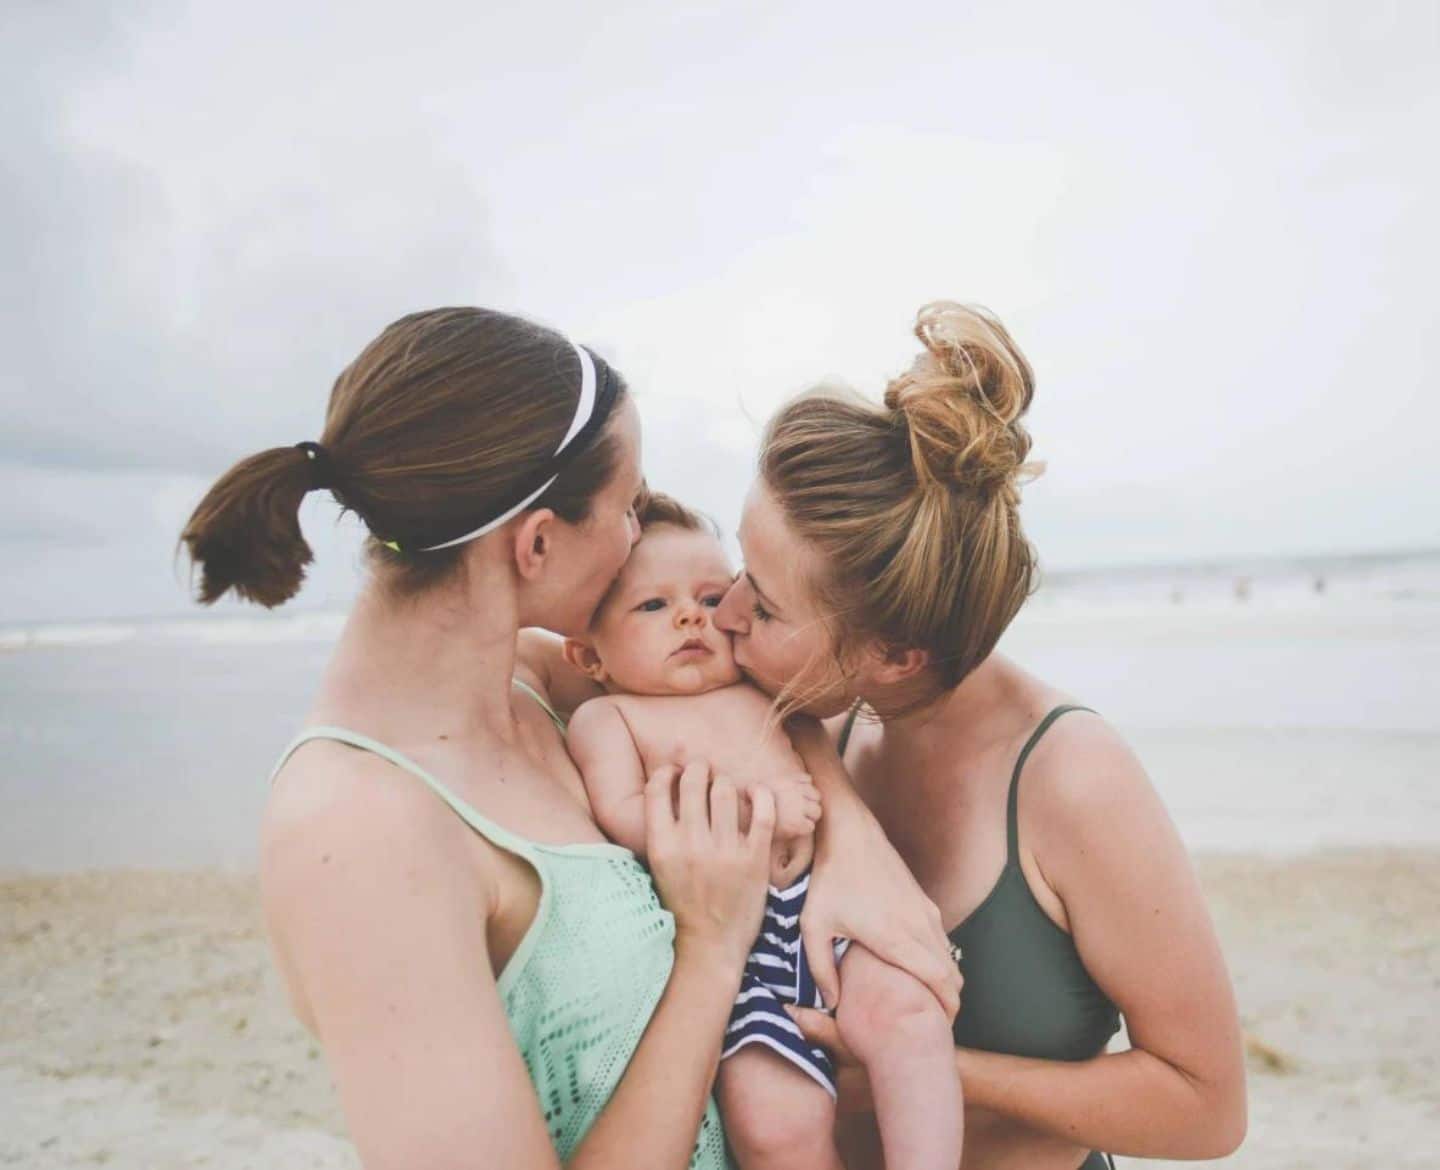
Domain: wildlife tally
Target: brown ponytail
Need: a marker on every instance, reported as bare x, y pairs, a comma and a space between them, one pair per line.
245, 535
914, 507
437, 420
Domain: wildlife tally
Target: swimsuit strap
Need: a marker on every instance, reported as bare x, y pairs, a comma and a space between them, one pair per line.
482, 824
545, 706
1012, 813
847, 729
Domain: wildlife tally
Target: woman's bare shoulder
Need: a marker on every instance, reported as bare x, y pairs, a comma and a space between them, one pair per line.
1080, 761
327, 782
1087, 804
536, 652
378, 909
333, 809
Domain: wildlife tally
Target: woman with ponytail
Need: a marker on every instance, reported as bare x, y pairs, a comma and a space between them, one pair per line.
884, 559
493, 984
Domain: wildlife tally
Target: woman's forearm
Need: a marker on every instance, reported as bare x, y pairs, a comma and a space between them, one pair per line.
841, 803
653, 1117
1130, 1103
861, 887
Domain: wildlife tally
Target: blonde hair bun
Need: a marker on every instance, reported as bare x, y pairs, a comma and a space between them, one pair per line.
962, 400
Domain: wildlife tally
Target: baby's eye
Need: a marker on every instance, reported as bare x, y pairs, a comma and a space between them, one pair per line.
654, 605
713, 601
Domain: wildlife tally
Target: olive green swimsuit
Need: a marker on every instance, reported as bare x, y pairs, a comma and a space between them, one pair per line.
1027, 992
582, 985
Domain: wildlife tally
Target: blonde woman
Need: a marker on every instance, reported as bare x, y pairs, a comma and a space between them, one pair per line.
884, 558
493, 984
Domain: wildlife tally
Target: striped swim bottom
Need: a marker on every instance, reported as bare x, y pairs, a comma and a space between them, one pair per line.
777, 973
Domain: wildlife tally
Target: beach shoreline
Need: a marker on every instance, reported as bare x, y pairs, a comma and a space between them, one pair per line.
142, 1023
1296, 748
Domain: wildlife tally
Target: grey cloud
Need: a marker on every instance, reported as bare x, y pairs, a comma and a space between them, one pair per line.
207, 209
142, 332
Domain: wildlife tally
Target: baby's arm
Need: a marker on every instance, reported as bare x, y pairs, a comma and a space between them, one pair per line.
609, 761
901, 1034
797, 802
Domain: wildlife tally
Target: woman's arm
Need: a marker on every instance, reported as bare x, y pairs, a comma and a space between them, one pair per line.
1107, 847
860, 888
712, 878
371, 895
540, 661
1105, 844
372, 912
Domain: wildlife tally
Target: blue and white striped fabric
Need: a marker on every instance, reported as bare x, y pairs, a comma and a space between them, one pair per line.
777, 972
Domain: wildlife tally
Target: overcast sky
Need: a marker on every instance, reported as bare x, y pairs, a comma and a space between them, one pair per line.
1213, 233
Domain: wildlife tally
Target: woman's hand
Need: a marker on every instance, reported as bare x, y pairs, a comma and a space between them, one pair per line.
852, 1085
862, 890
710, 875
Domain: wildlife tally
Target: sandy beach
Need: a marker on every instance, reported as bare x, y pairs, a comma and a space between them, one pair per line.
141, 1024
1296, 746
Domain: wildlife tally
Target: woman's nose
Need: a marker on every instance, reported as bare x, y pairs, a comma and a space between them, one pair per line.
730, 614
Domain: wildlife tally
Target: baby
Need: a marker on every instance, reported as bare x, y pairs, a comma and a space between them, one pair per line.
674, 694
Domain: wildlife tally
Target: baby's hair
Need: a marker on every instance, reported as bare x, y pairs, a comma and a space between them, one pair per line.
658, 508
654, 509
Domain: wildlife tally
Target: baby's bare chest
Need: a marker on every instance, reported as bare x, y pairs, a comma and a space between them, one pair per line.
735, 736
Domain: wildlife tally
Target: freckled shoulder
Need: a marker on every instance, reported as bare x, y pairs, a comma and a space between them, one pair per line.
1079, 768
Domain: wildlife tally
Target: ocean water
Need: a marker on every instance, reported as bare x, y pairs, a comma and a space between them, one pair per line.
1279, 717
144, 753
1280, 731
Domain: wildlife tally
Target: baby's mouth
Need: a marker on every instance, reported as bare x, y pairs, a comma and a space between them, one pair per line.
692, 646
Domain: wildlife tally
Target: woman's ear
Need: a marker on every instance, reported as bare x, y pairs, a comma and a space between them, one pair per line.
889, 664
583, 657
534, 541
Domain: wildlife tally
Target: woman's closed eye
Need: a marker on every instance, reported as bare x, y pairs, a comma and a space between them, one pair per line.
761, 613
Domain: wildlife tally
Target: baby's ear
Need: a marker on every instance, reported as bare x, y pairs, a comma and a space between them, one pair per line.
584, 658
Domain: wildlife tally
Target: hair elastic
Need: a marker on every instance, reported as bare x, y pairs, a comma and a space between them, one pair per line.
322, 468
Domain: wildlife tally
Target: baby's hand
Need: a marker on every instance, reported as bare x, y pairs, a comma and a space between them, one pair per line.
797, 803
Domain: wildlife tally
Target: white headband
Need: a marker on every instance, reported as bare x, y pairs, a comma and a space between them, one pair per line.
583, 410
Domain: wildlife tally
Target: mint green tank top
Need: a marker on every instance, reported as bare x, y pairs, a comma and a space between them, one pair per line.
581, 986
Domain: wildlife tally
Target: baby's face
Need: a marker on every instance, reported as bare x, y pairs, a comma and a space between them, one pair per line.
655, 633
